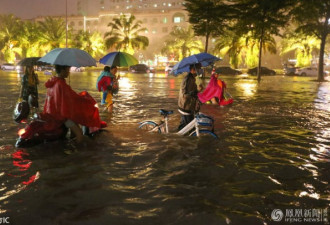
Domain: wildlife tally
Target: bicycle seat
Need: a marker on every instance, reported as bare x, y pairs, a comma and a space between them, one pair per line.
164, 112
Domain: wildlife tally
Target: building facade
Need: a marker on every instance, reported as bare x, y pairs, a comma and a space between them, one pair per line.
159, 17
94, 7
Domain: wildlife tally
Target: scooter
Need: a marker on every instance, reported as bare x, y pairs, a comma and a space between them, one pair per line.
44, 128
40, 130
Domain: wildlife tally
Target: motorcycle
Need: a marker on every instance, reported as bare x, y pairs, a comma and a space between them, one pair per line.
41, 129
44, 128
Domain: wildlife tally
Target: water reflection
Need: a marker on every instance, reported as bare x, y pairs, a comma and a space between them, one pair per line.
125, 84
248, 88
322, 101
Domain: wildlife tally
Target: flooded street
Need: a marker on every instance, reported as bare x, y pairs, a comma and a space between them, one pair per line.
273, 152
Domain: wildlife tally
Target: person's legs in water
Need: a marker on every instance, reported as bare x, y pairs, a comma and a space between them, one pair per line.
75, 130
109, 102
185, 120
103, 97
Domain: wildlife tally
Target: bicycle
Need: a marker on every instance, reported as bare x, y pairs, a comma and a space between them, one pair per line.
201, 120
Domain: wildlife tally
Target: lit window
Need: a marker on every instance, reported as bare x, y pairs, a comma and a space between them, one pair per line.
165, 20
146, 31
155, 5
154, 30
177, 19
169, 4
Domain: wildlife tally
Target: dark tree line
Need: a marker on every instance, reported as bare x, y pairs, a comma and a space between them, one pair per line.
260, 18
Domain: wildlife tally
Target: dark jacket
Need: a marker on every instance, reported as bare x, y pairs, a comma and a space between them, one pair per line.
188, 100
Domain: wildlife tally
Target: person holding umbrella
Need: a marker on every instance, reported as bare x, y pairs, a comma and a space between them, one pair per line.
188, 101
108, 84
29, 88
66, 106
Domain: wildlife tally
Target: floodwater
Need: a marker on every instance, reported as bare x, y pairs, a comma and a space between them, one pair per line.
273, 153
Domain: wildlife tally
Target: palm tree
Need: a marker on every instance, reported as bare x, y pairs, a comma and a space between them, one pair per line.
29, 40
182, 42
303, 45
10, 31
52, 33
91, 43
232, 45
243, 47
124, 35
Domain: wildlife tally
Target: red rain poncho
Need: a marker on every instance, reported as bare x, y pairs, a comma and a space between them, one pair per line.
104, 83
62, 103
215, 88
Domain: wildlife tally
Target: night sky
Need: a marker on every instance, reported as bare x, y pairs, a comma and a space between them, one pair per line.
28, 9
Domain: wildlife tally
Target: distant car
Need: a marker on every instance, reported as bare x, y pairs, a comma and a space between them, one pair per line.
139, 68
46, 68
310, 71
264, 71
77, 69
8, 66
227, 70
290, 70
168, 68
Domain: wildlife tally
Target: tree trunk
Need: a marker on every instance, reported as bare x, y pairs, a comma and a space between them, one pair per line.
321, 60
320, 77
259, 60
207, 42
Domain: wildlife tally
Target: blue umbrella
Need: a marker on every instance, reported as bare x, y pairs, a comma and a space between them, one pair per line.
204, 59
118, 59
68, 57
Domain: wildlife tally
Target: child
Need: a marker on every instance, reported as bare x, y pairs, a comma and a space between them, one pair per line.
108, 84
105, 72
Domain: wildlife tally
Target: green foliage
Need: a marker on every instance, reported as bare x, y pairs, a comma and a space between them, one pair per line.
124, 35
52, 33
209, 17
312, 18
9, 37
302, 45
262, 19
239, 47
90, 42
182, 43
29, 40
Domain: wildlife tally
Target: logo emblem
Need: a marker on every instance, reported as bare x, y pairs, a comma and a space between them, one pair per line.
277, 215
